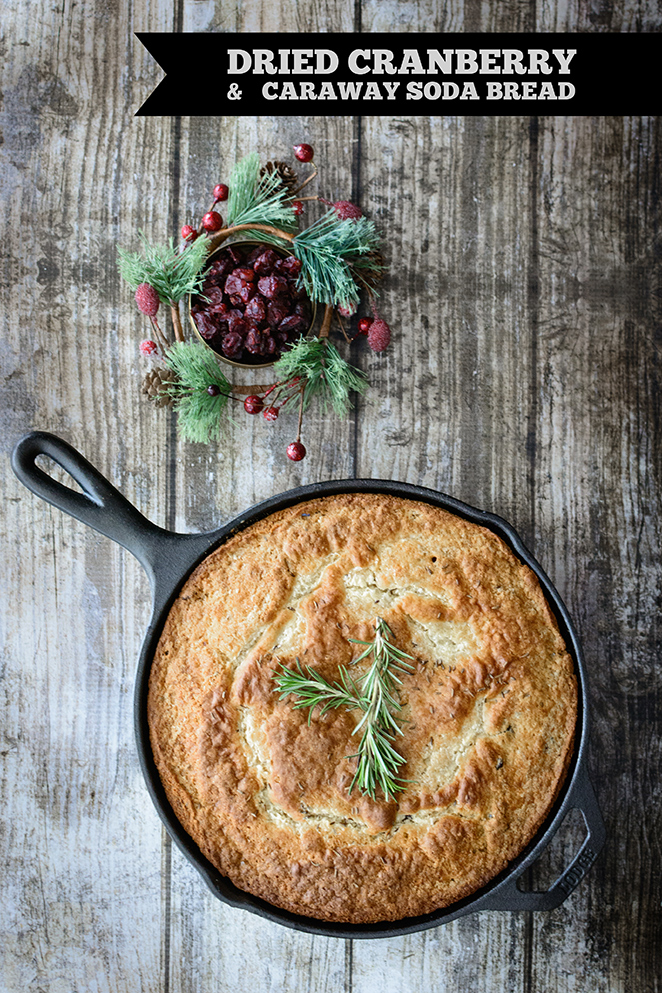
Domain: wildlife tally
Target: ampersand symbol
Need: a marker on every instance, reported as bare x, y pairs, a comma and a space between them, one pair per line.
234, 93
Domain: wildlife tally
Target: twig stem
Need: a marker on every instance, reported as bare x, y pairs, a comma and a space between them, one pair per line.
326, 322
176, 321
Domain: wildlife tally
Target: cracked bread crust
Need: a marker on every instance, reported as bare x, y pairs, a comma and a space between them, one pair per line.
488, 714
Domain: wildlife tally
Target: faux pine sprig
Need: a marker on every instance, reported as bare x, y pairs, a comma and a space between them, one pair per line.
172, 273
325, 249
200, 393
326, 375
378, 762
255, 199
164, 274
250, 308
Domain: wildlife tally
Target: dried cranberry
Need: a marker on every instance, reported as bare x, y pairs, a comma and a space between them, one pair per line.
256, 309
206, 325
221, 312
233, 345
272, 286
233, 284
214, 297
290, 266
247, 292
253, 343
218, 271
248, 275
291, 324
265, 262
238, 325
253, 255
269, 345
276, 312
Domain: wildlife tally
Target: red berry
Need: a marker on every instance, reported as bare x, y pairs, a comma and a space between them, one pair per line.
148, 347
220, 192
147, 299
364, 325
348, 311
347, 211
189, 233
297, 207
296, 451
304, 153
213, 390
271, 413
212, 221
379, 335
253, 404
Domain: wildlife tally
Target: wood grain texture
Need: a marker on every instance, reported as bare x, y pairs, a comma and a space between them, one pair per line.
524, 378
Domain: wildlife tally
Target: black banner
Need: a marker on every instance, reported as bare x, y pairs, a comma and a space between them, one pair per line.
210, 75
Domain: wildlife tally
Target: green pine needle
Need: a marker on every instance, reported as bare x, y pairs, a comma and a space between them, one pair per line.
200, 416
173, 273
378, 762
326, 249
258, 200
327, 375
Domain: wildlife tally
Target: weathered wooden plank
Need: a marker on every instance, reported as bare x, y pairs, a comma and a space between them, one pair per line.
597, 511
81, 859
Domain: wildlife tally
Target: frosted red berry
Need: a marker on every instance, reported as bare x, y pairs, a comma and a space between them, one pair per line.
379, 335
147, 299
271, 413
296, 451
148, 347
189, 233
297, 207
348, 311
304, 153
346, 211
212, 221
220, 192
253, 404
364, 325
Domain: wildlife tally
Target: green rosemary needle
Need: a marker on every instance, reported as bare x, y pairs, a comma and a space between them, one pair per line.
378, 762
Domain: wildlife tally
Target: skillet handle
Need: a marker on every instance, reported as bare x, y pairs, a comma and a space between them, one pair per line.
105, 509
509, 897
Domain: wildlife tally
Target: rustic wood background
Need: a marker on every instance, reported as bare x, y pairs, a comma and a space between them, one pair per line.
524, 378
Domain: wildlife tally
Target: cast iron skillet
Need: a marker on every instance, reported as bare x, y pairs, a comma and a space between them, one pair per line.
169, 558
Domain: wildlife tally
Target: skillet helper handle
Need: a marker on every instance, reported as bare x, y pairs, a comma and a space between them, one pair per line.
102, 506
509, 897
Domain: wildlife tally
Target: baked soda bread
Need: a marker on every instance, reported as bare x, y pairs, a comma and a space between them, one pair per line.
487, 708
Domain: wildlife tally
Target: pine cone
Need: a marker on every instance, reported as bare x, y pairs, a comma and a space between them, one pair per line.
153, 383
287, 175
371, 277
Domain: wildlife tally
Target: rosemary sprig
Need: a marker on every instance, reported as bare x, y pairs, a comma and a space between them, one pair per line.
314, 690
377, 760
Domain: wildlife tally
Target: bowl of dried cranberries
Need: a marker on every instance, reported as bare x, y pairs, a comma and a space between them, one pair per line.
250, 307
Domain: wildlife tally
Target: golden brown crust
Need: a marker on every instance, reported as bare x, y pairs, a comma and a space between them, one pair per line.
488, 714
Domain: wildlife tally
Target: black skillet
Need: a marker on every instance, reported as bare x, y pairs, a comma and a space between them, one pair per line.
168, 558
